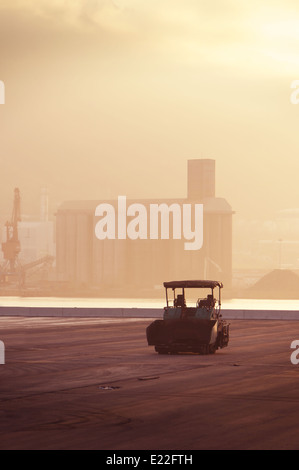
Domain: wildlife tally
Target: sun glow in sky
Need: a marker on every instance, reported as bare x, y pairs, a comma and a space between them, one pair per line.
190, 31
105, 97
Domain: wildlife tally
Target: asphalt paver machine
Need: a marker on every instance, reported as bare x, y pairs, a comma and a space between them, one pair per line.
196, 326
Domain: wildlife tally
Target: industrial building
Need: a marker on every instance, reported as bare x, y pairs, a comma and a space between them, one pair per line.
27, 248
140, 266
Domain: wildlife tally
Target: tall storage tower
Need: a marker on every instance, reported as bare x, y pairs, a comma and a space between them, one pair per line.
201, 179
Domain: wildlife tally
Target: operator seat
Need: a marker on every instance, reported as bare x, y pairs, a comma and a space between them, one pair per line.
180, 301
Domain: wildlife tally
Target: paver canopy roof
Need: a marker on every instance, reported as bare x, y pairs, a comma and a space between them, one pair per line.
192, 284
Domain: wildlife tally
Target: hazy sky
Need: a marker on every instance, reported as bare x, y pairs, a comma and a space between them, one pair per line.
108, 98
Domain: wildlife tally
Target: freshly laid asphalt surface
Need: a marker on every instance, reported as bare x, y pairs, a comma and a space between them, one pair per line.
95, 384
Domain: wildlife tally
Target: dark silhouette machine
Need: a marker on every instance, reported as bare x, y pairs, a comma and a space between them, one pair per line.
197, 328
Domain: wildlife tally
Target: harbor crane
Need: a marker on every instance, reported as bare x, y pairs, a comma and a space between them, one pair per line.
11, 270
12, 246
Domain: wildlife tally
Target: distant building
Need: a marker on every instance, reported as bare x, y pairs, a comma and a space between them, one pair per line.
37, 240
37, 237
143, 265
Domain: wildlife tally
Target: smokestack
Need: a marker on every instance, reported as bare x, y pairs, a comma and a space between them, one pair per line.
201, 179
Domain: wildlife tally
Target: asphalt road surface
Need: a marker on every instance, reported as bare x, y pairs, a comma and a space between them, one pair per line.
95, 384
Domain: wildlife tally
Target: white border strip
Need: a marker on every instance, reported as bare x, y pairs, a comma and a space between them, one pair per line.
140, 313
